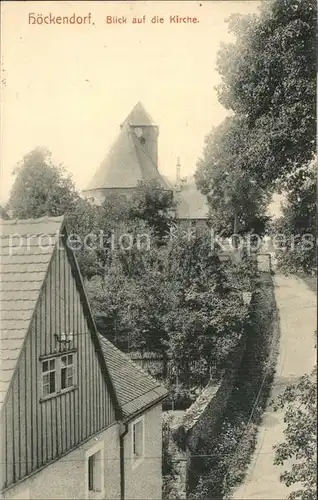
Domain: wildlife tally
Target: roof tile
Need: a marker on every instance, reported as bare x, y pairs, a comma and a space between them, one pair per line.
24, 260
135, 388
19, 286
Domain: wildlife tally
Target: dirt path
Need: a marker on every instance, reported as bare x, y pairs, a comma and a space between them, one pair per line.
298, 318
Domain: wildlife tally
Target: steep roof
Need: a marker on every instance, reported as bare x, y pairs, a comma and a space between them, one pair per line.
128, 161
24, 258
192, 204
139, 116
26, 250
134, 387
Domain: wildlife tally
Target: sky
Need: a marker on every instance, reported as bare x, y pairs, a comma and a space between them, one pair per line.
68, 87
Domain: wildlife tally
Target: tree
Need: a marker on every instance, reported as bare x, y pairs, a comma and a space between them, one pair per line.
154, 205
269, 86
115, 209
300, 444
174, 299
269, 80
40, 187
130, 296
83, 224
297, 225
237, 201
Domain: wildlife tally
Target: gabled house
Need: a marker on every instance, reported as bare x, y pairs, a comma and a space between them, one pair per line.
78, 418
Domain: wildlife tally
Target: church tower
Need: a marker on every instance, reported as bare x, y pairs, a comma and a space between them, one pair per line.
133, 158
145, 130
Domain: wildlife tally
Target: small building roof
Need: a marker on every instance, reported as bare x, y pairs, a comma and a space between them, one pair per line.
134, 387
191, 203
128, 161
26, 250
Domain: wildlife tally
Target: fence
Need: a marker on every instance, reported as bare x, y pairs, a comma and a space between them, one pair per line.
160, 367
153, 363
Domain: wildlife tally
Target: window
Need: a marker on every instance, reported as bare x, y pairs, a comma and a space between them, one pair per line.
67, 371
94, 473
48, 377
138, 440
58, 374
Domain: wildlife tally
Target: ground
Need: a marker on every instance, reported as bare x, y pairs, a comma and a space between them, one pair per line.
297, 307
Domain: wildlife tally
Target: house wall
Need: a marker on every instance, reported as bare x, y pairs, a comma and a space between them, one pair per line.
35, 431
67, 477
144, 481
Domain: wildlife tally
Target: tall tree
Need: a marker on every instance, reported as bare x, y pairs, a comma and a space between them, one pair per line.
237, 201
40, 187
269, 79
269, 84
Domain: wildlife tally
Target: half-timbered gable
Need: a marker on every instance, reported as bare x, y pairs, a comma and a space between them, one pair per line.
55, 391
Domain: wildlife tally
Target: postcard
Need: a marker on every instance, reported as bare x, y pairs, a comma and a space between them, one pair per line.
158, 250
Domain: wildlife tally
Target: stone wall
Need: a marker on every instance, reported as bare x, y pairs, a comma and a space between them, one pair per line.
214, 423
201, 420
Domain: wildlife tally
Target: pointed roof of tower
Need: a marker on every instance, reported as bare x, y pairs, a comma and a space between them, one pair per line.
139, 116
128, 161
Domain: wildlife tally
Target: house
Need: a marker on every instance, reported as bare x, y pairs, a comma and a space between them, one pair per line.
78, 418
133, 158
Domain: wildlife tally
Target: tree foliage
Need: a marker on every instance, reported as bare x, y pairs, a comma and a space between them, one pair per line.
297, 225
300, 444
237, 201
175, 299
154, 205
269, 85
40, 187
269, 80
